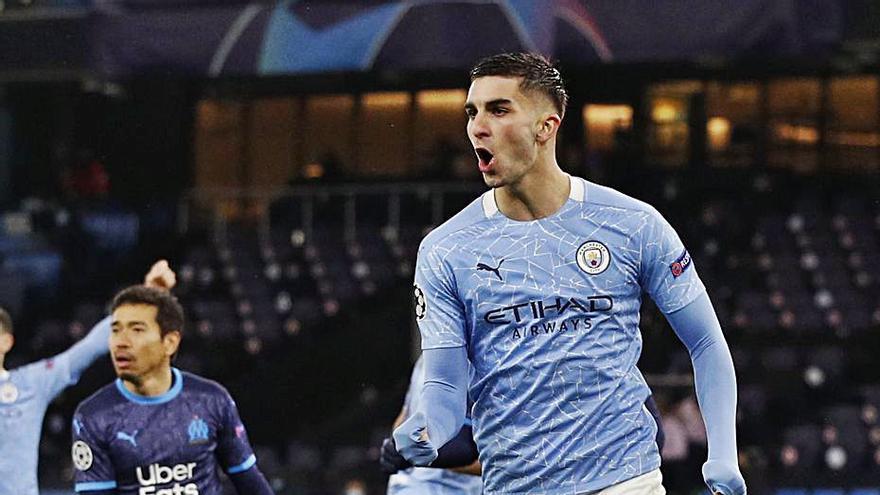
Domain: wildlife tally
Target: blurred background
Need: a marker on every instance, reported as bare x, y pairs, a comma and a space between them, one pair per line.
287, 158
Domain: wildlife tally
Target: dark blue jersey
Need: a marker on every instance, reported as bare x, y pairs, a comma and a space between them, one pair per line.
172, 444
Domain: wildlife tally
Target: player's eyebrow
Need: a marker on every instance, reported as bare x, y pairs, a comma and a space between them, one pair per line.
471, 107
498, 102
128, 323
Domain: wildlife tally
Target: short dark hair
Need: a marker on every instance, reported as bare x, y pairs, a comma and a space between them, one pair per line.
5, 322
169, 312
537, 74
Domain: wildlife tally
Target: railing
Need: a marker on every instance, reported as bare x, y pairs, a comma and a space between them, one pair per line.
214, 208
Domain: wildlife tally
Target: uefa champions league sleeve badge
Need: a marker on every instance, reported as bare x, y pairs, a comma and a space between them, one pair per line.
593, 257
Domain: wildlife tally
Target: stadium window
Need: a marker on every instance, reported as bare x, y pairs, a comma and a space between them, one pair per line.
218, 143
733, 123
274, 141
327, 133
852, 137
604, 123
668, 137
384, 134
440, 134
793, 107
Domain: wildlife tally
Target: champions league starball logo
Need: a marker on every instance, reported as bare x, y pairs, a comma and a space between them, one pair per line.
82, 455
419, 301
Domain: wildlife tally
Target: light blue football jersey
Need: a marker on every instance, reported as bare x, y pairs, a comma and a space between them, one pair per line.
429, 481
549, 312
25, 393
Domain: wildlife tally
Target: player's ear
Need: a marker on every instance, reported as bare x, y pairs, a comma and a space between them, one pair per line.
547, 127
171, 341
6, 341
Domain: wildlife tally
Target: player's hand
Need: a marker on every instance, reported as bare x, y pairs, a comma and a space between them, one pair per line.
390, 459
161, 276
724, 478
411, 439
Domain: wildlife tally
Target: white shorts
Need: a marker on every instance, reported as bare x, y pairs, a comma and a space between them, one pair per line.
650, 483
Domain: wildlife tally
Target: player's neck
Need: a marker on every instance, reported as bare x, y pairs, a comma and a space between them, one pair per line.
538, 194
152, 384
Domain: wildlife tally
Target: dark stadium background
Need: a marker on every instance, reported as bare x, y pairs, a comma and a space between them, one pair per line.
287, 158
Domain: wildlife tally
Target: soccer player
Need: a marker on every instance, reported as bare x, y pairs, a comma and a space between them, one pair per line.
538, 284
157, 430
26, 392
456, 471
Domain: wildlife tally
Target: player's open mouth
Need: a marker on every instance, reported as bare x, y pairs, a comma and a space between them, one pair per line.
486, 159
122, 361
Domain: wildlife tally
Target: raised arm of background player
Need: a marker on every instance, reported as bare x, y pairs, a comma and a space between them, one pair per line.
69, 365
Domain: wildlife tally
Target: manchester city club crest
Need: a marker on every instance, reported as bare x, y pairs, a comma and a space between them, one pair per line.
8, 393
593, 257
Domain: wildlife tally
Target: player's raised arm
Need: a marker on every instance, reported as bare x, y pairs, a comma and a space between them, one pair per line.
671, 279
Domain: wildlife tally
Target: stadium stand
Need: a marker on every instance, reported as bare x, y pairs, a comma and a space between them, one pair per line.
795, 285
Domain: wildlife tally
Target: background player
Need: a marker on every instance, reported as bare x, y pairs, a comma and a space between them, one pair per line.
538, 283
157, 429
25, 392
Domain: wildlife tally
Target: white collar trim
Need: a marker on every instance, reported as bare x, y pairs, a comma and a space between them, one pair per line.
577, 192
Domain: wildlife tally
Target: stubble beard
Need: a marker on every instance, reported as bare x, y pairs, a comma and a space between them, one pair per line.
131, 378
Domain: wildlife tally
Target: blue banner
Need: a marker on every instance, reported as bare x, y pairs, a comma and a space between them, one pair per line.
295, 37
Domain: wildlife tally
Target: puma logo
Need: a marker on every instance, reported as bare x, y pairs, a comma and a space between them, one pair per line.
121, 435
485, 267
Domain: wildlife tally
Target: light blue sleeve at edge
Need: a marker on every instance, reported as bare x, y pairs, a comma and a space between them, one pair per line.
90, 348
70, 364
715, 380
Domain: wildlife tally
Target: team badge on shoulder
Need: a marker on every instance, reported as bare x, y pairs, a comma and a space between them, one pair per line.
681, 264
593, 257
82, 455
8, 393
421, 305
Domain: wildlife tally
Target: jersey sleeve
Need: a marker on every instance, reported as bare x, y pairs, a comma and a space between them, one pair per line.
439, 312
417, 377
93, 470
233, 448
667, 273
64, 370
